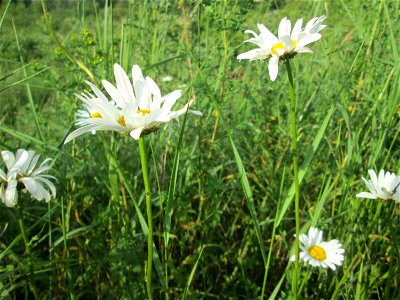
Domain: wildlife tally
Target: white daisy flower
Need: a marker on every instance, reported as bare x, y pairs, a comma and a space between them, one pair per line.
318, 253
22, 171
385, 186
136, 109
286, 45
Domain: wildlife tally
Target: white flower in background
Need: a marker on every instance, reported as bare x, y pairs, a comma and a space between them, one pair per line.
22, 172
286, 45
166, 78
136, 109
318, 253
385, 186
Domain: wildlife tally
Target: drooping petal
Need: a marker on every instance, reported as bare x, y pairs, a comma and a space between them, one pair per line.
35, 188
79, 132
11, 195
253, 54
136, 132
273, 67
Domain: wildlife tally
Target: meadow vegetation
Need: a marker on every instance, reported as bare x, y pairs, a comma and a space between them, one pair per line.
89, 242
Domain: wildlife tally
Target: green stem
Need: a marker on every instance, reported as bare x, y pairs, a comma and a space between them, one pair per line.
68, 267
296, 177
143, 160
27, 250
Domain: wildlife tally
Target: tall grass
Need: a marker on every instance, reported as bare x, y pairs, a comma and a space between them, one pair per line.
222, 185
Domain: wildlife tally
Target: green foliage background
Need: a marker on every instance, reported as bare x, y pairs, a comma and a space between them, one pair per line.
354, 68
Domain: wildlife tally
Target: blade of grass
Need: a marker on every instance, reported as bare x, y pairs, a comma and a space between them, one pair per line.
321, 202
171, 188
28, 139
191, 275
305, 165
241, 170
142, 221
352, 265
28, 89
4, 14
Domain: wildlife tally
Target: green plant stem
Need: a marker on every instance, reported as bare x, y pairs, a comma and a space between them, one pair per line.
27, 250
296, 177
68, 267
143, 160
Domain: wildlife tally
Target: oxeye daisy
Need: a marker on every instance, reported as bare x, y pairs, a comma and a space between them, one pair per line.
385, 186
286, 45
135, 108
318, 253
24, 174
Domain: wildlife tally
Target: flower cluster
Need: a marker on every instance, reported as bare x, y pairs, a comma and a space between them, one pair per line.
286, 45
319, 253
135, 108
22, 171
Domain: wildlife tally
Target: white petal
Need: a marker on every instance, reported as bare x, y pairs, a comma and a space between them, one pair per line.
79, 132
33, 163
283, 28
170, 99
124, 85
11, 194
273, 67
49, 184
153, 87
309, 39
20, 159
366, 195
254, 54
114, 94
136, 133
303, 50
296, 29
287, 42
9, 159
269, 38
35, 188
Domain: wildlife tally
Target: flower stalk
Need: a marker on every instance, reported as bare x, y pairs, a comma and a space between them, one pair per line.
143, 160
296, 177
27, 250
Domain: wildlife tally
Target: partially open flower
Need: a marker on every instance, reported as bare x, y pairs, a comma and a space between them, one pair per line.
136, 109
318, 253
23, 173
286, 45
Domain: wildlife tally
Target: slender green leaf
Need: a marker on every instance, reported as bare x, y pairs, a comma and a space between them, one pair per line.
191, 275
305, 165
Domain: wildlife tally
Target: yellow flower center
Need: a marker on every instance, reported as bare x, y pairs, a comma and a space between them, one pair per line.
144, 111
95, 115
281, 46
121, 121
317, 252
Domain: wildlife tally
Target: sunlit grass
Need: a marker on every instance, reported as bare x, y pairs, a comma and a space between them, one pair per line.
218, 174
